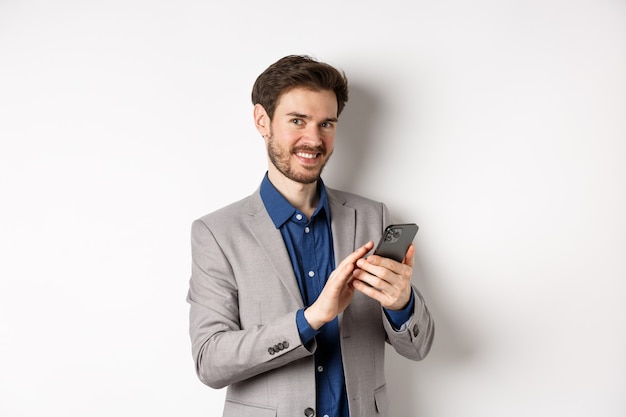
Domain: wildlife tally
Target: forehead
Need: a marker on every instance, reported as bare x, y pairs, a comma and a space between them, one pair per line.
322, 103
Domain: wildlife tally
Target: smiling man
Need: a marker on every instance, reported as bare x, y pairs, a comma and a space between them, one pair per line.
287, 309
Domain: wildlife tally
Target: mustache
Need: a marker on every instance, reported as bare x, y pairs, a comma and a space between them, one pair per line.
308, 149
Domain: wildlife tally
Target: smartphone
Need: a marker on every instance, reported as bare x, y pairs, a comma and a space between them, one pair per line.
396, 241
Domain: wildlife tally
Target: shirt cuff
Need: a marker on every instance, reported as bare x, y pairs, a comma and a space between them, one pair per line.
400, 318
307, 333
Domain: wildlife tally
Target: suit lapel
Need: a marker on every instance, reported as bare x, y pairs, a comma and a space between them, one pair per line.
343, 225
271, 242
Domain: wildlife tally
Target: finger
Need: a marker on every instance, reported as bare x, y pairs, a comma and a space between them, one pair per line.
346, 266
392, 265
371, 280
357, 254
370, 291
383, 268
409, 257
387, 295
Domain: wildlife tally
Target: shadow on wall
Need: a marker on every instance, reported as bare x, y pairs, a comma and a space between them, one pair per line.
355, 148
452, 347
354, 140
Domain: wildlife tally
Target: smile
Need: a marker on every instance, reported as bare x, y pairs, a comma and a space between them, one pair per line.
306, 155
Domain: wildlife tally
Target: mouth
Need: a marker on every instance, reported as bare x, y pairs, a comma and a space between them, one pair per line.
307, 155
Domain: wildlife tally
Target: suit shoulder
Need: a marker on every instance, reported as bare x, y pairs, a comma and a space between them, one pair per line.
232, 212
350, 199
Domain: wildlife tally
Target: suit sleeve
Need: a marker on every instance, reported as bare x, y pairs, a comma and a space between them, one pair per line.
224, 352
416, 338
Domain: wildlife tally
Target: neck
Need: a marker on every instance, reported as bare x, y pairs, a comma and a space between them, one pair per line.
303, 197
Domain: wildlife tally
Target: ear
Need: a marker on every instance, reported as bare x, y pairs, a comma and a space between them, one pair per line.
261, 120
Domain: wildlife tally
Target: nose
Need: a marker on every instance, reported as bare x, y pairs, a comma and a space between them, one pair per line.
314, 133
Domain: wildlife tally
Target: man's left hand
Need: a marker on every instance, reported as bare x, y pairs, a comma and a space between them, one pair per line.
385, 280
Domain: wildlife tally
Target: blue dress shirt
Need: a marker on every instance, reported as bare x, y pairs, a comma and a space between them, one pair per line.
310, 246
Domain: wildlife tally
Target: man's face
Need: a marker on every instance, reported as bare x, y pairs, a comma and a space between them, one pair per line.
301, 136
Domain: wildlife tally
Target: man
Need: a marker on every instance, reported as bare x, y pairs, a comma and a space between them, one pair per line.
286, 309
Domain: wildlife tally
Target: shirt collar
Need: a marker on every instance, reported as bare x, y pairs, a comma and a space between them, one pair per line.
279, 209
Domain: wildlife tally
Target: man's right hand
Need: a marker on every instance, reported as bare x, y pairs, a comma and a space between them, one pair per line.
338, 291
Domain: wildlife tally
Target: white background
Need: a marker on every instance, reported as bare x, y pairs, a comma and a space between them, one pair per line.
498, 126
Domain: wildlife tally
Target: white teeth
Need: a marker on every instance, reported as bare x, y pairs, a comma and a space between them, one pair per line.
306, 155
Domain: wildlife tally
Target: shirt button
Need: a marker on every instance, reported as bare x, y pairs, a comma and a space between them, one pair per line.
320, 368
325, 415
309, 412
299, 216
307, 230
311, 274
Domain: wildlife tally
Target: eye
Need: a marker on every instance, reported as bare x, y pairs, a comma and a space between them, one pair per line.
297, 121
327, 125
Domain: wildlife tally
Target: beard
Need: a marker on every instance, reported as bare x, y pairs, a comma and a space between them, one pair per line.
281, 159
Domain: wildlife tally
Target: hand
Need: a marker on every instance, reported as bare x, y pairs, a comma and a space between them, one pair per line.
385, 280
338, 291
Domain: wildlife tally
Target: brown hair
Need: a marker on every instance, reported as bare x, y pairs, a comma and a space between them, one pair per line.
298, 71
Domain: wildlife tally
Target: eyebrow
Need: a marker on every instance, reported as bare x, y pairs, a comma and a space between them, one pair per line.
305, 116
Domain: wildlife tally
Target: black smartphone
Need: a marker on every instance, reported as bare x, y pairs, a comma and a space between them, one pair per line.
396, 241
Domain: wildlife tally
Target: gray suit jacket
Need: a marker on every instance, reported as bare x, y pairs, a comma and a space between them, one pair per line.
243, 298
